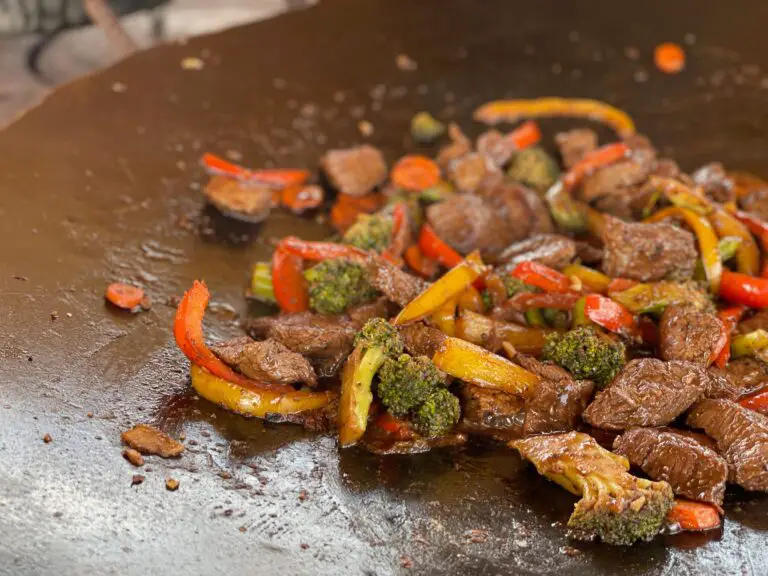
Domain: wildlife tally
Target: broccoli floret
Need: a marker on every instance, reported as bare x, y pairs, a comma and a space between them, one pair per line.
516, 286
437, 414
370, 232
534, 168
405, 382
615, 506
335, 285
586, 353
425, 128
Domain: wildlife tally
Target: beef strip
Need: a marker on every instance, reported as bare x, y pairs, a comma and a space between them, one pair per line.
380, 308
469, 172
689, 334
747, 374
693, 470
493, 145
320, 420
756, 203
149, 440
354, 171
742, 439
421, 340
266, 360
647, 392
237, 198
396, 285
460, 146
542, 221
715, 183
615, 179
721, 385
557, 402
575, 144
491, 413
647, 252
552, 250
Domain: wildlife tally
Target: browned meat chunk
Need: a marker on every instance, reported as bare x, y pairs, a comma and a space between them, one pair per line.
689, 334
742, 439
693, 470
647, 392
756, 203
491, 413
149, 440
542, 221
396, 285
557, 402
470, 171
614, 179
522, 209
354, 171
421, 340
460, 146
239, 199
575, 144
267, 360
496, 147
647, 252
721, 385
320, 420
758, 321
715, 182
551, 250
588, 254
380, 308
747, 374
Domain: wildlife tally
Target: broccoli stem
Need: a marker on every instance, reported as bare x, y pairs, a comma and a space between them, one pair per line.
261, 283
356, 395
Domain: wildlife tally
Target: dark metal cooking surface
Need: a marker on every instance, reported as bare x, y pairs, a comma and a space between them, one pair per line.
96, 187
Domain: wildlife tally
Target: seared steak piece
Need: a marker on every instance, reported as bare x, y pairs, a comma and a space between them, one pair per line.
381, 308
715, 182
614, 179
460, 146
491, 413
688, 334
758, 321
267, 360
521, 208
647, 252
747, 374
542, 221
721, 385
470, 171
587, 253
238, 198
552, 250
354, 171
320, 420
692, 469
742, 439
647, 392
756, 203
557, 402
575, 144
493, 145
397, 285
421, 340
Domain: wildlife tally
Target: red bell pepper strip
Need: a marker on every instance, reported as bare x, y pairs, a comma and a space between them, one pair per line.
755, 225
525, 135
742, 289
757, 401
432, 246
603, 156
399, 429
609, 314
399, 236
272, 178
621, 284
649, 331
309, 250
764, 271
729, 317
558, 301
188, 332
288, 282
542, 276
423, 266
697, 516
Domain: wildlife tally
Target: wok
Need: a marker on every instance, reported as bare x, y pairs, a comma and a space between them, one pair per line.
100, 184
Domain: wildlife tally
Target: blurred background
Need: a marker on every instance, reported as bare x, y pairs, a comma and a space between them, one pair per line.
44, 43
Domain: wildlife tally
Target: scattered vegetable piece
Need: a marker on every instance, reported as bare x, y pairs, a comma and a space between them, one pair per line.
425, 128
124, 296
310, 250
669, 57
288, 282
749, 344
729, 317
273, 178
609, 314
261, 287
346, 209
747, 252
757, 401
419, 263
432, 246
525, 135
743, 289
589, 277
755, 225
299, 198
541, 276
696, 516
444, 318
653, 297
415, 173
394, 426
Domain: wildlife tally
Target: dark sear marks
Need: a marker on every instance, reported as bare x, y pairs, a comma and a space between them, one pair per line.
267, 360
688, 334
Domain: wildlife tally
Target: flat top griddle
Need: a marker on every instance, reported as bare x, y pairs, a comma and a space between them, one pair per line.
101, 183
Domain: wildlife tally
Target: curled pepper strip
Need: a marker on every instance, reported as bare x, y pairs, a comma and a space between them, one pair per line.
541, 276
188, 332
681, 195
525, 135
694, 516
707, 239
754, 224
603, 156
271, 178
288, 282
747, 253
729, 317
309, 250
435, 248
743, 289
609, 314
513, 110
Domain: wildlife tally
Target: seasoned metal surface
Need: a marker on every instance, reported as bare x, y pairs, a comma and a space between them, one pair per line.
100, 184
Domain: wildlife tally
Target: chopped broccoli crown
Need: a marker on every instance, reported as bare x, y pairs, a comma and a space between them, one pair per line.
335, 285
437, 414
378, 333
407, 381
586, 353
516, 286
370, 232
534, 168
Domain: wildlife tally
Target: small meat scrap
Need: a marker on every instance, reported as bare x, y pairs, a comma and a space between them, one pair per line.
471, 171
133, 456
268, 360
647, 252
492, 144
397, 285
137, 479
149, 440
354, 171
47, 439
715, 182
575, 144
476, 536
551, 250
690, 335
171, 484
238, 198
406, 63
747, 375
421, 340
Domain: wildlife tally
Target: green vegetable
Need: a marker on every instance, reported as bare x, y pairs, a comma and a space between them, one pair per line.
534, 317
534, 168
556, 318
405, 382
487, 300
261, 283
586, 353
653, 297
439, 192
616, 507
335, 285
751, 344
568, 214
579, 315
516, 286
437, 414
370, 232
425, 128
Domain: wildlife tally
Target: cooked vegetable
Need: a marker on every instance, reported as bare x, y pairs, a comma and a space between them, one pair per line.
377, 341
694, 516
749, 344
437, 193
515, 286
757, 401
347, 208
470, 299
603, 156
525, 135
681, 195
433, 247
729, 317
288, 281
586, 353
299, 198
479, 329
669, 57
755, 225
124, 296
653, 297
476, 365
261, 287
444, 318
415, 173
742, 289
406, 381
425, 128
514, 110
274, 178
541, 276
589, 277
562, 301
335, 285
437, 414
419, 263
609, 314
534, 168
567, 213
370, 232
615, 506
309, 250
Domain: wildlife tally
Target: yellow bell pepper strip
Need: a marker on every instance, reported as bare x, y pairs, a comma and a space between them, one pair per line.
254, 404
749, 344
589, 277
745, 184
707, 239
356, 399
473, 364
470, 299
446, 288
754, 224
653, 297
681, 195
488, 333
746, 290
444, 318
261, 287
747, 253
510, 111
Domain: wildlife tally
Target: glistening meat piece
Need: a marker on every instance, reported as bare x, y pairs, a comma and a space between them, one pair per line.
647, 252
266, 360
149, 440
647, 392
747, 374
689, 334
237, 198
575, 144
421, 340
460, 146
521, 208
742, 439
396, 285
354, 171
491, 413
715, 183
470, 171
552, 250
692, 469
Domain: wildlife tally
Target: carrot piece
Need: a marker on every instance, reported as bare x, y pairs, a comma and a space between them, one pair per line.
690, 515
124, 296
347, 208
435, 248
415, 173
301, 198
669, 57
288, 281
423, 266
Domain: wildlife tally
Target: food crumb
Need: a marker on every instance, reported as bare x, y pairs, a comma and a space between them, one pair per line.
137, 479
68, 314
405, 62
54, 315
303, 495
366, 128
171, 484
47, 439
632, 53
133, 456
192, 63
569, 551
476, 536
149, 440
146, 302
119, 87
406, 562
304, 545
89, 414
243, 529
234, 155
225, 475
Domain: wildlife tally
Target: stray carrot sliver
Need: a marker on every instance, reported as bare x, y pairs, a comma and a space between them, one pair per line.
347, 208
669, 57
124, 296
415, 173
690, 515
